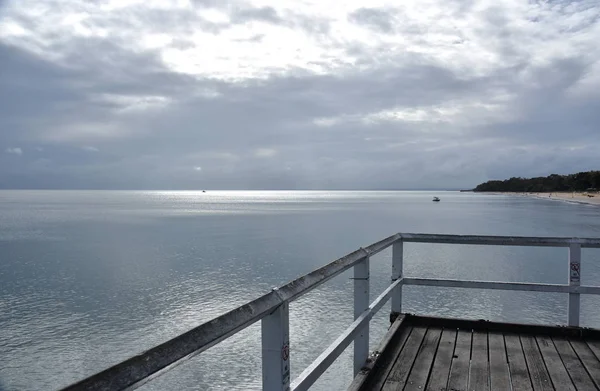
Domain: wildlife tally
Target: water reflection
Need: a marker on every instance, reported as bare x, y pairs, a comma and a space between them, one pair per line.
90, 278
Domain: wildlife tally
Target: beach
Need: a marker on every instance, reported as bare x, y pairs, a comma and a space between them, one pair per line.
579, 197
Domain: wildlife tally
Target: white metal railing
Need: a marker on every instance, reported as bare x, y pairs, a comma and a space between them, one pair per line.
273, 311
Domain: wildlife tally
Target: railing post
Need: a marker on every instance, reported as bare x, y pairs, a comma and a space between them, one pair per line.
276, 349
361, 303
574, 280
397, 257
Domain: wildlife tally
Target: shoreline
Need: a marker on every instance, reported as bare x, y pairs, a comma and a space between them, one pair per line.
573, 197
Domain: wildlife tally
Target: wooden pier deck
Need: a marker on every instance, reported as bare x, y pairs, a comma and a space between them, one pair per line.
424, 353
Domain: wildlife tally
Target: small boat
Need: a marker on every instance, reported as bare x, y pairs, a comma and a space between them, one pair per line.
436, 199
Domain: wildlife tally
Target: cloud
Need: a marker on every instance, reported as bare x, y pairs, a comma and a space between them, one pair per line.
380, 19
14, 151
449, 93
263, 14
197, 168
265, 152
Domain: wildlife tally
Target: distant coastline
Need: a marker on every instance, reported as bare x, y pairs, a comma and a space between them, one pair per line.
588, 181
582, 187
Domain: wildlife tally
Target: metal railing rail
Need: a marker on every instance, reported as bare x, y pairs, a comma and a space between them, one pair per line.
273, 310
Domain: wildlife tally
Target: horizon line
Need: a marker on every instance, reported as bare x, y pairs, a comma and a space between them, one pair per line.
222, 190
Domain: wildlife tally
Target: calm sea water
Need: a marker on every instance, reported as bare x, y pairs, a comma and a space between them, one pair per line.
89, 278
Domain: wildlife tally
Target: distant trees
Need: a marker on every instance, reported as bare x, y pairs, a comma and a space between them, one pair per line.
581, 181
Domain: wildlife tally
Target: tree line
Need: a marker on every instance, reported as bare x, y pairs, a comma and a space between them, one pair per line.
582, 181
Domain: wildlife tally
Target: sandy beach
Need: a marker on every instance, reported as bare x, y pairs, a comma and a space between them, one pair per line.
579, 197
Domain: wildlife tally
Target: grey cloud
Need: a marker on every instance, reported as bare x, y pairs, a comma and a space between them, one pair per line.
313, 26
264, 14
380, 19
14, 151
254, 38
31, 89
210, 3
38, 95
241, 12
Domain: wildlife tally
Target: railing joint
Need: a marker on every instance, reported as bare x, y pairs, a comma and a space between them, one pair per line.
278, 294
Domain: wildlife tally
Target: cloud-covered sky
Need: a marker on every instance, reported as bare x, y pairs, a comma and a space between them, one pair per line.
296, 94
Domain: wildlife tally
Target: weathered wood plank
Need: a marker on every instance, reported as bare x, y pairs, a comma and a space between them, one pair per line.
588, 358
574, 366
443, 360
377, 383
459, 372
401, 369
422, 366
479, 379
540, 378
516, 363
499, 374
594, 345
556, 369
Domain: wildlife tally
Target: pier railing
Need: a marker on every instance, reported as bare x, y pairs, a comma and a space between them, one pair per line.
272, 310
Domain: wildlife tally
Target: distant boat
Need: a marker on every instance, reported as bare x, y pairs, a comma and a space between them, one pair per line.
436, 199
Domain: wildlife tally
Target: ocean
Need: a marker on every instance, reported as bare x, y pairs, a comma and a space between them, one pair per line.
89, 278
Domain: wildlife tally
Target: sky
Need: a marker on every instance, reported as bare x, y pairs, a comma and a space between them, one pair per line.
296, 94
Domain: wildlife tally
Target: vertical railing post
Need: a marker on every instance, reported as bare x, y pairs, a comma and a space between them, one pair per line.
397, 257
574, 280
276, 349
361, 303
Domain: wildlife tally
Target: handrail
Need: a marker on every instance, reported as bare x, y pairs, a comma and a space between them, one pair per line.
500, 240
272, 309
508, 286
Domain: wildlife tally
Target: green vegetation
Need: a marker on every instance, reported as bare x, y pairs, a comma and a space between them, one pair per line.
582, 181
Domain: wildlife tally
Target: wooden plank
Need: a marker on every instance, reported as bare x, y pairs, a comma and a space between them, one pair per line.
540, 378
516, 363
557, 371
388, 358
595, 347
499, 374
459, 372
422, 366
438, 380
574, 366
479, 379
588, 358
401, 369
